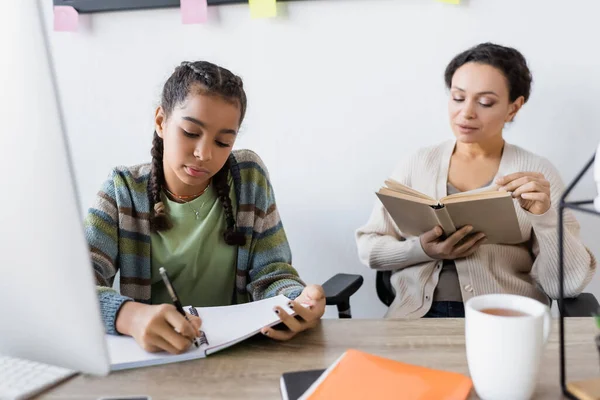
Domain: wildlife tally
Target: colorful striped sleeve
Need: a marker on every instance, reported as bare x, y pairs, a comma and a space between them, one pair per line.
271, 272
101, 232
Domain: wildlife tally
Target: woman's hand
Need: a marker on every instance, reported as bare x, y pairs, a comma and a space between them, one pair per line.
157, 327
309, 308
530, 188
458, 245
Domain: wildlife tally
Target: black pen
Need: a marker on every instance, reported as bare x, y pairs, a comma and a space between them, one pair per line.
175, 299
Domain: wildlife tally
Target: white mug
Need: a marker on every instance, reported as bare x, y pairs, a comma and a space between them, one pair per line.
504, 352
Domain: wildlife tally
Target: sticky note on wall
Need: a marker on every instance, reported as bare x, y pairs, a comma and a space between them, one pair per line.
194, 11
263, 8
449, 1
66, 19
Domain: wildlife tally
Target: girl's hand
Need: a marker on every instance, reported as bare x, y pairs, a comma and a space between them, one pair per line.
157, 327
309, 308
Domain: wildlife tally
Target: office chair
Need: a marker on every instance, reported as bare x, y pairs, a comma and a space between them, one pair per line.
338, 290
341, 287
584, 305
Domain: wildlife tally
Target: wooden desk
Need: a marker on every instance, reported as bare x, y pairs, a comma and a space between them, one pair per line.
251, 370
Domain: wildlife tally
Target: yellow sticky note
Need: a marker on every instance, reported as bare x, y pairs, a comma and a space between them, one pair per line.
263, 8
449, 1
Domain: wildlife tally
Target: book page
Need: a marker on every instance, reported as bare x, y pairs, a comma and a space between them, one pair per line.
225, 326
396, 186
408, 197
481, 193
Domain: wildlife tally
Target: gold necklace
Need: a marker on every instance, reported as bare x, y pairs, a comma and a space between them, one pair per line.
188, 199
185, 198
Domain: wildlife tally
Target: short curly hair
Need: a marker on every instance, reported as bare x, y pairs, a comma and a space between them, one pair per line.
507, 60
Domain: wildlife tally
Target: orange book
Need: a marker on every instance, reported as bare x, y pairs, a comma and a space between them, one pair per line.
357, 375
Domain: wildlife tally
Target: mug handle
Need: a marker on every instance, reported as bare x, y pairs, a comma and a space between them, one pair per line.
547, 324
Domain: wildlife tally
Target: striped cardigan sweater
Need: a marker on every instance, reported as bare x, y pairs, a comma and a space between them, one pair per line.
117, 229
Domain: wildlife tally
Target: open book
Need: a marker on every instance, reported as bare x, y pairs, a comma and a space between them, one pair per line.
488, 210
222, 327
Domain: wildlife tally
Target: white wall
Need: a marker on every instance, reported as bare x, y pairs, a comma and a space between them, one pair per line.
339, 91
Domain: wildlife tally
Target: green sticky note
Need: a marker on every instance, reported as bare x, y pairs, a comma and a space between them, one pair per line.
263, 8
449, 1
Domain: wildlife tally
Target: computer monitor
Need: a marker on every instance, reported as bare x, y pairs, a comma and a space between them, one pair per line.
49, 309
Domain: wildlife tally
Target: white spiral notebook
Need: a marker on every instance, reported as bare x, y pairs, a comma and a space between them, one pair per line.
223, 327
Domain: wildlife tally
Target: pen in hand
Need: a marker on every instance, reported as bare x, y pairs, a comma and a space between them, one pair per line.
175, 299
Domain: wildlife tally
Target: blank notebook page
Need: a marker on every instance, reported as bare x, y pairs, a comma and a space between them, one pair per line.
223, 326
227, 325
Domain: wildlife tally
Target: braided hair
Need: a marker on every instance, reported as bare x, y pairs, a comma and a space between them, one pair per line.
205, 78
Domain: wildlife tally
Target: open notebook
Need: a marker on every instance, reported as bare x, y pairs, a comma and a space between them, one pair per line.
223, 327
488, 210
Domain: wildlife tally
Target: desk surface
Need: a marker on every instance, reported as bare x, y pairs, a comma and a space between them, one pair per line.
251, 370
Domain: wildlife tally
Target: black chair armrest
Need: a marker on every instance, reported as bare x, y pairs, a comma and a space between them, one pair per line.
340, 287
584, 305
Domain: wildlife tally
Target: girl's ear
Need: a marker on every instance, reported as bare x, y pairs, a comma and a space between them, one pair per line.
514, 108
159, 121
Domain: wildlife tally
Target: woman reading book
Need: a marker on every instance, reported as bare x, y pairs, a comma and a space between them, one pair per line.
434, 274
205, 213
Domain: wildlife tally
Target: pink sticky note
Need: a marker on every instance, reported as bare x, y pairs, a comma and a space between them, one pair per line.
194, 11
66, 19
